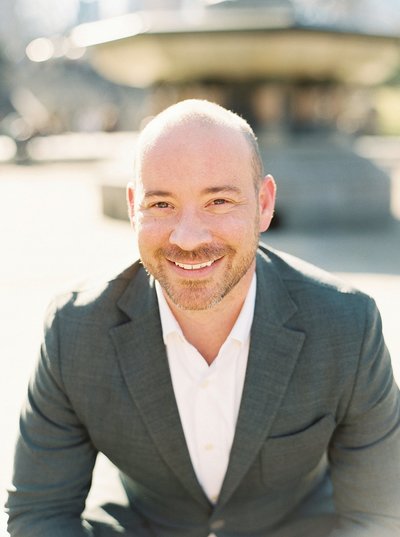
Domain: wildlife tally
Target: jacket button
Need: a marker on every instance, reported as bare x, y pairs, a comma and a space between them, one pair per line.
217, 524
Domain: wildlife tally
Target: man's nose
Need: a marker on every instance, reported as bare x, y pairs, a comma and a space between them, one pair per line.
190, 232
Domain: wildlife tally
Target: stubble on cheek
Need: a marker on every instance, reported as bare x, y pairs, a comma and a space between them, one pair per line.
189, 293
201, 294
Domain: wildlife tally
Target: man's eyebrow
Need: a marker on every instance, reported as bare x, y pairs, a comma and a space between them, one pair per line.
222, 189
209, 190
157, 194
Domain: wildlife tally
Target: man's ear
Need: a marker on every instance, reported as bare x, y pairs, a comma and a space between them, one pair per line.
266, 199
130, 199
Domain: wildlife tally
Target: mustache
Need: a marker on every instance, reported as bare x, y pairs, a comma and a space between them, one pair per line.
205, 253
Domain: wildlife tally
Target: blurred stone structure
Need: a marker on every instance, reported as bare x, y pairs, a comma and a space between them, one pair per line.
301, 77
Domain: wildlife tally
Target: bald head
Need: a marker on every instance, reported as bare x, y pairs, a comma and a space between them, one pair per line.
201, 115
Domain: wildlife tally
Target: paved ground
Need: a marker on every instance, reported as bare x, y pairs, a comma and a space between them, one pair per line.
52, 233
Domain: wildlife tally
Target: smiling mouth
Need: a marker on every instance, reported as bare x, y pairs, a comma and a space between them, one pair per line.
194, 267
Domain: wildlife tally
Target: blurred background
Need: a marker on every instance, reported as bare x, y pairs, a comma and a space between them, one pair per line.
319, 81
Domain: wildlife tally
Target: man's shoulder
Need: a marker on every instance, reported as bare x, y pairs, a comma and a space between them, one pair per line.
302, 277
317, 298
94, 300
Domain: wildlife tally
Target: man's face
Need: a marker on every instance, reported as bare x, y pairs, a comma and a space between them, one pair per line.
197, 214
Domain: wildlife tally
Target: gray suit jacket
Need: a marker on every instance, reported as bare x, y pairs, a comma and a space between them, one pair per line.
320, 411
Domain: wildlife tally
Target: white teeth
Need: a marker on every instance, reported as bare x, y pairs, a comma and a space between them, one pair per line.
194, 267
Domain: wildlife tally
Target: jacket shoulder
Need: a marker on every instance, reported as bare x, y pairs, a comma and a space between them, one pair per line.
319, 296
94, 301
298, 274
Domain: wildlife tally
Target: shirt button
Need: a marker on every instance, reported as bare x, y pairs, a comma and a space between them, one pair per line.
205, 384
217, 524
209, 447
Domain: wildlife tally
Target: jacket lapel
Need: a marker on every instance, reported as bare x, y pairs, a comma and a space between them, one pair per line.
273, 353
141, 353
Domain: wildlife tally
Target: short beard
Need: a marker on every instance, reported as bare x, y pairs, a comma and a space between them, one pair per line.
191, 294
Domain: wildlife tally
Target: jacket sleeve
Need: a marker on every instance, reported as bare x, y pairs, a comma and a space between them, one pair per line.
365, 453
54, 456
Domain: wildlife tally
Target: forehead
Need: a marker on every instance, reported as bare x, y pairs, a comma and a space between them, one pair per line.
197, 141
194, 149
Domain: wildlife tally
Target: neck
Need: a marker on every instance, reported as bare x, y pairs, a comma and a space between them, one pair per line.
208, 329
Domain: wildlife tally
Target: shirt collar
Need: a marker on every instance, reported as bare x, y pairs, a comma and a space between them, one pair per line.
168, 322
240, 330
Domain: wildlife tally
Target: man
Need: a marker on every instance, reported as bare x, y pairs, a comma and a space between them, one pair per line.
240, 391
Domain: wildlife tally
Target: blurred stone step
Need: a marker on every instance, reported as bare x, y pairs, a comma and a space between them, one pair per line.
320, 183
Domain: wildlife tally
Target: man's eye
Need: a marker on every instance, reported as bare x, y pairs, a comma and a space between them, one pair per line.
219, 201
161, 205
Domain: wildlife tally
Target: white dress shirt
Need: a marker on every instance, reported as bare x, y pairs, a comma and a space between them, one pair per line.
208, 397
